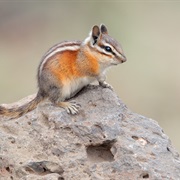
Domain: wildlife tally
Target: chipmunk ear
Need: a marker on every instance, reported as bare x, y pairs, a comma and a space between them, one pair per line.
103, 29
95, 34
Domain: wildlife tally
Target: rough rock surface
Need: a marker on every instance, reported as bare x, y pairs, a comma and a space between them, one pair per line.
105, 141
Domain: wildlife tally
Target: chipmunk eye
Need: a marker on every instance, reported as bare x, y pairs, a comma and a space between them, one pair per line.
108, 49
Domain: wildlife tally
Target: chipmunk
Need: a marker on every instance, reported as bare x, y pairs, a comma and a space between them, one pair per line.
69, 66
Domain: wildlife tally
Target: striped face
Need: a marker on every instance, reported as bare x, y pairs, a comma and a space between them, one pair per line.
109, 50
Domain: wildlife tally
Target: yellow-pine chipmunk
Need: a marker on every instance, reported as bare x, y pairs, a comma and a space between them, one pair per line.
69, 66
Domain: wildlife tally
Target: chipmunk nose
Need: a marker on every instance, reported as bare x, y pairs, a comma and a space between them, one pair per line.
123, 58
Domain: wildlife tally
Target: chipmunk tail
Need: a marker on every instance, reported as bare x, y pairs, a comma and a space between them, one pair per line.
16, 112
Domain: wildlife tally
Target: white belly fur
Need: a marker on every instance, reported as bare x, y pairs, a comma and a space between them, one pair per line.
74, 86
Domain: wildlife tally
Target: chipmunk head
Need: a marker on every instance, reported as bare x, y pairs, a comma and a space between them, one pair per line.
107, 49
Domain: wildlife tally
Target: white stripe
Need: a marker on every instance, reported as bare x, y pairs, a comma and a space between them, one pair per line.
88, 39
64, 43
61, 49
113, 49
103, 50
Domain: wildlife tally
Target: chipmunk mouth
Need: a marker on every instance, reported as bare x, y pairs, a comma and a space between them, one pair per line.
119, 61
115, 63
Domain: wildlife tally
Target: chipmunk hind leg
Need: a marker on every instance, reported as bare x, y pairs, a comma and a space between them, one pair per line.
55, 96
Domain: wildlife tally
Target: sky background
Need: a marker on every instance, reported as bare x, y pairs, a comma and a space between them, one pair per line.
149, 31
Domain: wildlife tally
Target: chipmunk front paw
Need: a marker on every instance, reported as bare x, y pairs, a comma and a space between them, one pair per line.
105, 85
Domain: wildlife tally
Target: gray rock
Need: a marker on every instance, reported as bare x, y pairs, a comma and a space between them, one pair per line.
105, 141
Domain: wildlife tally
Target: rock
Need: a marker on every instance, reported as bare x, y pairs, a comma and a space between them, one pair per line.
105, 141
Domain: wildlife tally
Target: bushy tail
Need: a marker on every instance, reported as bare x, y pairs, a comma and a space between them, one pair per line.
19, 111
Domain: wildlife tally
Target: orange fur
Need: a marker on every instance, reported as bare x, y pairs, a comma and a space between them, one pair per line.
92, 66
65, 66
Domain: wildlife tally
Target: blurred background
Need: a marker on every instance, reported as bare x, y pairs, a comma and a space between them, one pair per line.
148, 83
